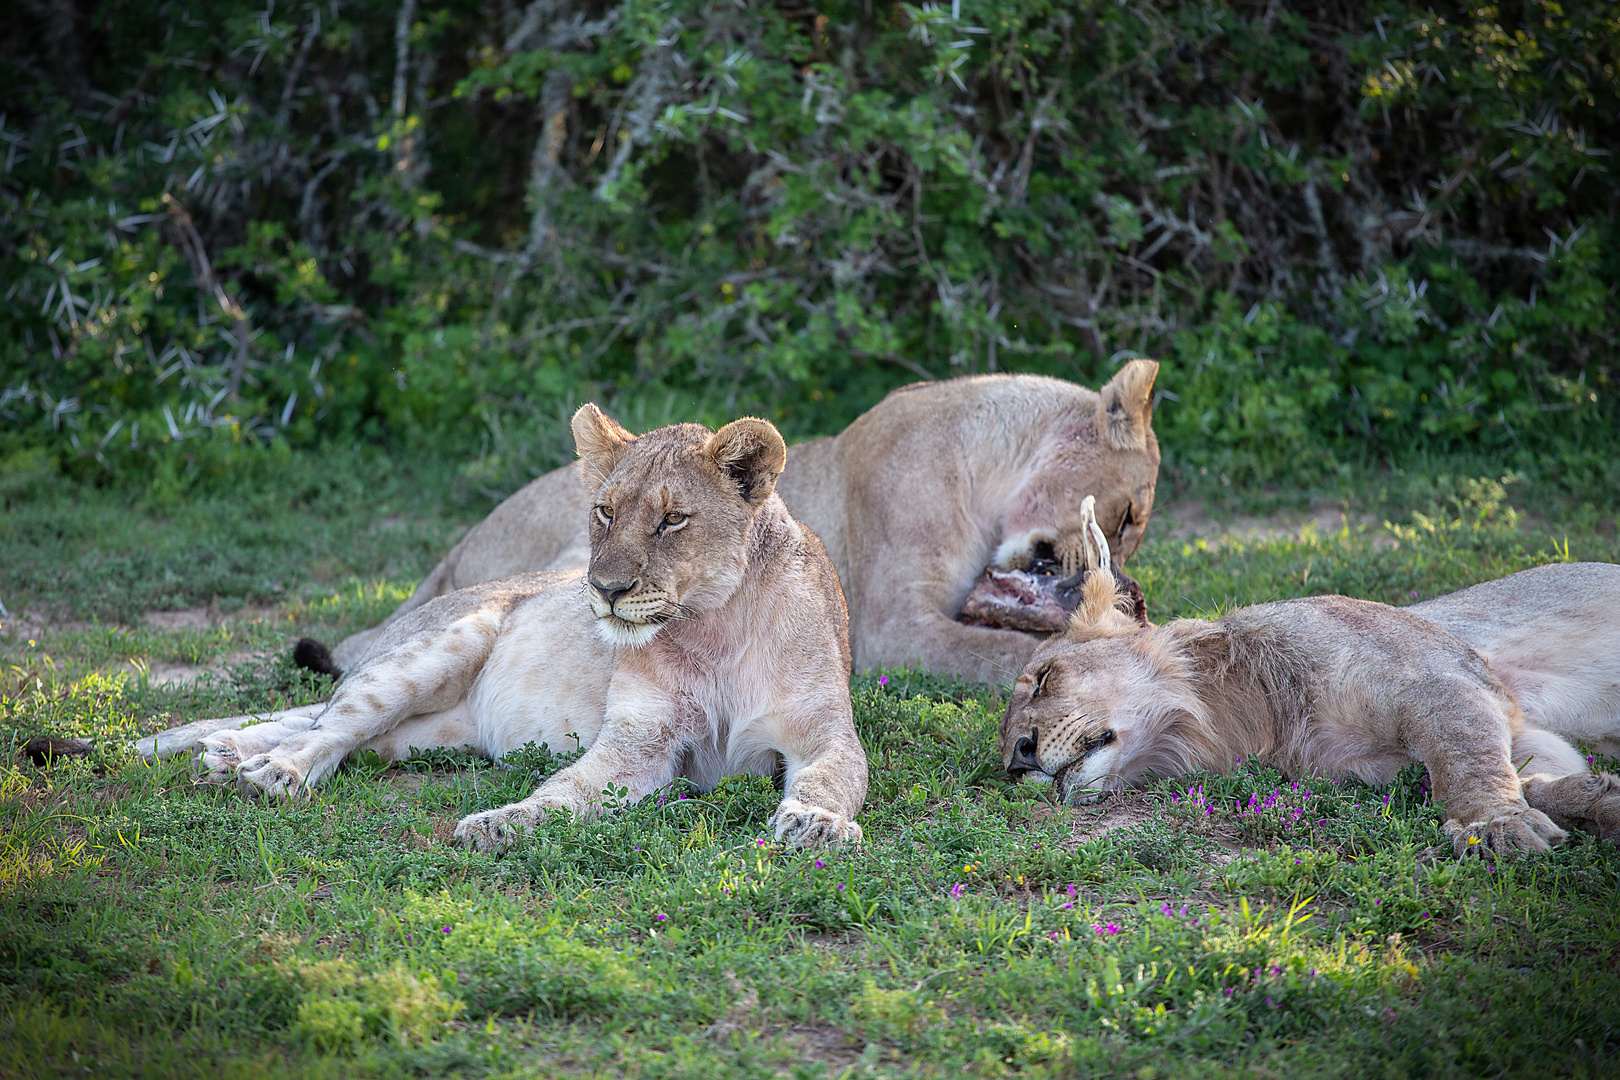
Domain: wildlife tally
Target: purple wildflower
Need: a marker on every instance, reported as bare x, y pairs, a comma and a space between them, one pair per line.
957, 891
883, 680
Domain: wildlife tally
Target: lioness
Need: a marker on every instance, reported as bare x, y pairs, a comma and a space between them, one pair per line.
913, 500
708, 637
1338, 687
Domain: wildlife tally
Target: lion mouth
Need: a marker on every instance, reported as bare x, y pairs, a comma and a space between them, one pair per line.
615, 629
1077, 796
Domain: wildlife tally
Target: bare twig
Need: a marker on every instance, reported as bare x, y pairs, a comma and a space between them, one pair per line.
190, 243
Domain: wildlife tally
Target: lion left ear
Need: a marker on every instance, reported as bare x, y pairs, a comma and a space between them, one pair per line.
1125, 405
750, 452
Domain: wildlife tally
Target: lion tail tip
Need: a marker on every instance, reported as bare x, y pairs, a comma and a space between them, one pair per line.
312, 655
43, 750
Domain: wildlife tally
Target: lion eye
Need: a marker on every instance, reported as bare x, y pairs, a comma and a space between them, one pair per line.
674, 518
1040, 683
605, 514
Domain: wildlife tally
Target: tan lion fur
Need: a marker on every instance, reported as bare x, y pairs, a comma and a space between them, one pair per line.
1336, 687
913, 500
708, 637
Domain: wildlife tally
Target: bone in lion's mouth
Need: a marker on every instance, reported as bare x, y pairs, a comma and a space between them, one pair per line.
1039, 598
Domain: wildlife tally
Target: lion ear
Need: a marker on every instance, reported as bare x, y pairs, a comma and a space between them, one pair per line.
1125, 405
750, 453
598, 440
1104, 611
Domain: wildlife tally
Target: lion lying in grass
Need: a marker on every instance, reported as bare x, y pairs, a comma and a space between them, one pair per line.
914, 500
708, 637
1338, 687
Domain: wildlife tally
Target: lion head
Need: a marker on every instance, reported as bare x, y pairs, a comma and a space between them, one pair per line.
1104, 705
1111, 454
670, 516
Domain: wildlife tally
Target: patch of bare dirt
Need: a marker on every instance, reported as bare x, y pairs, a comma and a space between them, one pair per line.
821, 1043
1190, 519
202, 618
1112, 814
163, 671
34, 626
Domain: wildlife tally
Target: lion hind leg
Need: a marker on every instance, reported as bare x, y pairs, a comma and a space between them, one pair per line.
187, 738
220, 753
1537, 752
1557, 783
423, 673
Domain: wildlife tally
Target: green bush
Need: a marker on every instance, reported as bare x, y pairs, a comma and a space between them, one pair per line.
1353, 235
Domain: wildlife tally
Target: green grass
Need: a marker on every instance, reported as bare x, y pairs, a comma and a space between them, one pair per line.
1210, 926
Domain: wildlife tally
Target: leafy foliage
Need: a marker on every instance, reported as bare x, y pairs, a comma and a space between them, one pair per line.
1353, 231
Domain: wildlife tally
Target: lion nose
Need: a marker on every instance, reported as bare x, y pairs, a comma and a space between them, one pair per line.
612, 590
1023, 757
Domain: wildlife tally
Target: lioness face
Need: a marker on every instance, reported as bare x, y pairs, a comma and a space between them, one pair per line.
1113, 455
670, 517
1076, 715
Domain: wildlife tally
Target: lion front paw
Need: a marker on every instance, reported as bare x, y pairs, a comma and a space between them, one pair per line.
493, 831
265, 776
1510, 830
804, 825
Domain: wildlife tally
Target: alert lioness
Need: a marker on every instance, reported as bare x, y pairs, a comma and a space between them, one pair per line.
1338, 687
708, 637
913, 500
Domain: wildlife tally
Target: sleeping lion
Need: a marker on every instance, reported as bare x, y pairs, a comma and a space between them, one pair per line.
914, 500
1479, 686
708, 637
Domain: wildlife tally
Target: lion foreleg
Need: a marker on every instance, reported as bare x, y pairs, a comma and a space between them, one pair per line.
188, 738
1464, 736
825, 785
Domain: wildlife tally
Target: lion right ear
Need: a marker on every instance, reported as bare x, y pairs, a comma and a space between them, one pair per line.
751, 454
1125, 405
1104, 611
598, 440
